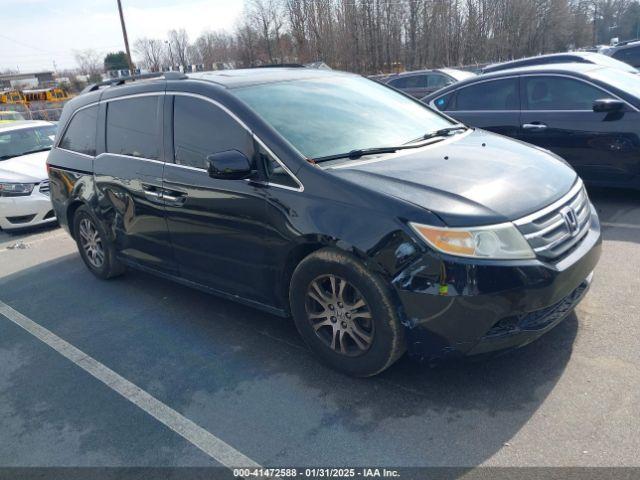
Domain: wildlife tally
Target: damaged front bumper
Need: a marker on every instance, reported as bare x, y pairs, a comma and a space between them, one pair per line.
458, 307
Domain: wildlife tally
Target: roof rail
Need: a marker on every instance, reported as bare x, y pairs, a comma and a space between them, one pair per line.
279, 65
174, 76
627, 42
122, 80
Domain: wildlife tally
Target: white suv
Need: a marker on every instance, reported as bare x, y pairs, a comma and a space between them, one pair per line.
24, 185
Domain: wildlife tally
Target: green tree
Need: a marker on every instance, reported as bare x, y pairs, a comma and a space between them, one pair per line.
116, 61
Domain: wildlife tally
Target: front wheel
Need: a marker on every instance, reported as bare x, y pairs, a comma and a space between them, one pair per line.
345, 314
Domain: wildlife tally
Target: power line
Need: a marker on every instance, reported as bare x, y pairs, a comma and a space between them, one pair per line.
22, 43
56, 52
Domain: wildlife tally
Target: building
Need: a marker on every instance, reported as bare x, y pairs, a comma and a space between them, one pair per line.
28, 80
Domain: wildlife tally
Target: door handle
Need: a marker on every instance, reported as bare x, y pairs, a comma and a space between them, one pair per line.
534, 126
175, 199
152, 194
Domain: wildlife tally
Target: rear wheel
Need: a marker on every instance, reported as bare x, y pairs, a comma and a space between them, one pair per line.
345, 313
96, 250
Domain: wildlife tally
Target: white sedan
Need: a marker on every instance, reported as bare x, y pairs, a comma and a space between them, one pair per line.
24, 184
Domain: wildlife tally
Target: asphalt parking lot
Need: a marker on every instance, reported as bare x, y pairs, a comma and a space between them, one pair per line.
570, 399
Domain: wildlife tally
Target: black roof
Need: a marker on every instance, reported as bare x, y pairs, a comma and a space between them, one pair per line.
225, 78
257, 76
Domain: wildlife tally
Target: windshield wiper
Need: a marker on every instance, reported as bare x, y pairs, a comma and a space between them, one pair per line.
361, 152
443, 132
7, 157
44, 149
355, 154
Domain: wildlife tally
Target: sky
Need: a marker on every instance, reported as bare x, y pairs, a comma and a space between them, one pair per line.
36, 33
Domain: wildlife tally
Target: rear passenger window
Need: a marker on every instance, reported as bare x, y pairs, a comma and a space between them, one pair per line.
133, 127
80, 136
201, 129
438, 81
493, 95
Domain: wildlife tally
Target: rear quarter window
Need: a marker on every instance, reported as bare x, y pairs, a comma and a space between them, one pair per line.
445, 102
80, 135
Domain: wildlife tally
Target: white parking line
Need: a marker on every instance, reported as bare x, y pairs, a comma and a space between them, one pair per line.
196, 435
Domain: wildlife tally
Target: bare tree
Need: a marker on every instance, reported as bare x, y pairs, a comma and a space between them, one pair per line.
151, 51
375, 36
179, 45
215, 47
260, 16
90, 63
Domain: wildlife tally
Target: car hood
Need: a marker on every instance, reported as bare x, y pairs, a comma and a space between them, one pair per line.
30, 168
473, 178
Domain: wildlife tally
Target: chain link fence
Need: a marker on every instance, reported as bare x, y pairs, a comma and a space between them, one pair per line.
49, 112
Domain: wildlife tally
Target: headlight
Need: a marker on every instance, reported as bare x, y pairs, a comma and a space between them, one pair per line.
502, 241
16, 189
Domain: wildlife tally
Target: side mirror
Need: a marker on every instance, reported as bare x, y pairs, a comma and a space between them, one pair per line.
608, 105
229, 165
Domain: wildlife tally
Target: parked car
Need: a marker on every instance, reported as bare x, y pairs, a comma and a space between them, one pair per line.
7, 116
587, 114
567, 57
24, 185
422, 82
379, 224
627, 52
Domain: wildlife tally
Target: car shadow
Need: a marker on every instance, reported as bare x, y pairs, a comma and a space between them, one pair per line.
19, 233
222, 364
619, 212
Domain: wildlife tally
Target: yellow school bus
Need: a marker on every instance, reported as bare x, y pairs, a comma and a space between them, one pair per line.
53, 94
12, 97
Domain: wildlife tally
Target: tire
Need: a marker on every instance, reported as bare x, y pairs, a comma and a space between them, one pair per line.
97, 252
372, 335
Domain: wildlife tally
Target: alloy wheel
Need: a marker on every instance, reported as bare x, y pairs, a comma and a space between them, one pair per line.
339, 315
91, 243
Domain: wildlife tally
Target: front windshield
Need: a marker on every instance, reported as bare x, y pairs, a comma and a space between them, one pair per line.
14, 143
332, 115
625, 81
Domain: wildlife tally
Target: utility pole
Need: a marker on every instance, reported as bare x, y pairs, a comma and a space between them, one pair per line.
126, 40
170, 55
595, 16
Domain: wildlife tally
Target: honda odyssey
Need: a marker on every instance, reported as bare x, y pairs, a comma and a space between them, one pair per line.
380, 225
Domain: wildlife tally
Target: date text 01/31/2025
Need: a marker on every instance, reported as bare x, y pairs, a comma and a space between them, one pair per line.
315, 472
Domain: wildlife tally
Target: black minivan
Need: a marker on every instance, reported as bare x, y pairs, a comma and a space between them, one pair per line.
379, 224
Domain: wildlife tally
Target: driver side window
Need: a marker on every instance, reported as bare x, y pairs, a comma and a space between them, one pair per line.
559, 93
201, 128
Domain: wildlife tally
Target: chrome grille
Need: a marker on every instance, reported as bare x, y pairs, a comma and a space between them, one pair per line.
554, 230
45, 187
